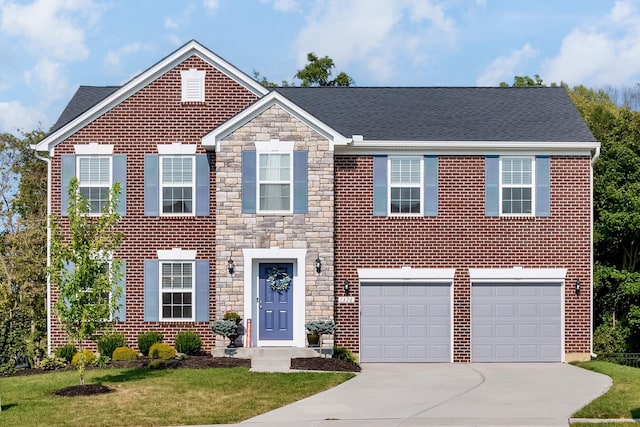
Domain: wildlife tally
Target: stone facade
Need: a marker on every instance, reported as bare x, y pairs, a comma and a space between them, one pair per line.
313, 231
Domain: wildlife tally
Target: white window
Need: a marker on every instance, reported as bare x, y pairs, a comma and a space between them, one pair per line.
517, 185
176, 290
177, 184
405, 185
192, 85
94, 180
275, 182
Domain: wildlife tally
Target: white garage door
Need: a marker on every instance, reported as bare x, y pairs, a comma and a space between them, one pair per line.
405, 323
516, 322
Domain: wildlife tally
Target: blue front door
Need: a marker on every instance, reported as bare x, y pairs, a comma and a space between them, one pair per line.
276, 306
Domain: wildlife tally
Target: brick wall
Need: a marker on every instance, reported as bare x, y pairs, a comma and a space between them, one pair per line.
155, 115
462, 237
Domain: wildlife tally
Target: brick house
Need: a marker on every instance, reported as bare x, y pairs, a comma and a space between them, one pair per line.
432, 224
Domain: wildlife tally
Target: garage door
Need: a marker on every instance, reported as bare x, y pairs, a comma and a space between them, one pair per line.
405, 323
516, 323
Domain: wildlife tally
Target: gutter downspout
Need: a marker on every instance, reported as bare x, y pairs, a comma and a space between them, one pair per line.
48, 299
593, 160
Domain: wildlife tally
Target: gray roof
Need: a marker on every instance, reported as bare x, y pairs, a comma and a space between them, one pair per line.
84, 98
419, 113
445, 113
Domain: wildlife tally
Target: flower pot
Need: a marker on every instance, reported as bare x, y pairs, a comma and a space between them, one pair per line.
313, 340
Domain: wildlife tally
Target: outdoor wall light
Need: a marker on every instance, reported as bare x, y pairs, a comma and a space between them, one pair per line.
578, 286
346, 287
230, 265
318, 265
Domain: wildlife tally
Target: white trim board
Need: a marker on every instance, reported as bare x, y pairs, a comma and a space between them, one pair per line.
406, 275
519, 274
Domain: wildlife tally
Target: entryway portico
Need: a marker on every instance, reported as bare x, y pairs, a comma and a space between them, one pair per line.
258, 262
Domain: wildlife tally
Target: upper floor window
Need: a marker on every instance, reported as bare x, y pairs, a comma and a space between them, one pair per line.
177, 286
274, 181
192, 85
94, 181
177, 184
517, 185
405, 185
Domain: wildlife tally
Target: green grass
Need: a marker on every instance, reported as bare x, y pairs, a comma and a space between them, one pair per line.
156, 397
623, 398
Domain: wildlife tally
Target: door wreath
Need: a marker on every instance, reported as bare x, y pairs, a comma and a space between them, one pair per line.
279, 281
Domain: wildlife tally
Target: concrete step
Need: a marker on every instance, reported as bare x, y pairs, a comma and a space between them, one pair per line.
268, 359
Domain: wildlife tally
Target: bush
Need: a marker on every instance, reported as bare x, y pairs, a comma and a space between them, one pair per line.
51, 363
162, 351
101, 361
321, 327
124, 353
66, 352
107, 343
89, 357
343, 353
147, 339
609, 339
188, 342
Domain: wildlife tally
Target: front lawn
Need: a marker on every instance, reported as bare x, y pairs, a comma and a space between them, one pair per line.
621, 401
156, 397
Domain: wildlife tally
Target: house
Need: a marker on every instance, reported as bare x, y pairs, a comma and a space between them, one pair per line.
432, 224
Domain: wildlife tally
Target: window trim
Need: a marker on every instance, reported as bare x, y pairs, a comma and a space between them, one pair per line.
275, 146
390, 185
161, 185
161, 292
501, 186
109, 157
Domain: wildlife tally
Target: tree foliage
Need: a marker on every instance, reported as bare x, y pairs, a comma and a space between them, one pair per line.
317, 72
526, 81
83, 269
23, 218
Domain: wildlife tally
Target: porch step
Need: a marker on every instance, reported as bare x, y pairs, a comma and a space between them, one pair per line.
268, 359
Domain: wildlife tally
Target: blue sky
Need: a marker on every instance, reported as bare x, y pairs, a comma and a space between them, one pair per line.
50, 47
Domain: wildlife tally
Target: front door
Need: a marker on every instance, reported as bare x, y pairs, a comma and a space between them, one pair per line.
275, 301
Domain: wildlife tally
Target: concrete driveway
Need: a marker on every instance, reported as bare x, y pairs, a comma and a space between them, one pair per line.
496, 394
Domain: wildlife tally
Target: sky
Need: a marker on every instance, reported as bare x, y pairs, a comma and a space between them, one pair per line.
48, 48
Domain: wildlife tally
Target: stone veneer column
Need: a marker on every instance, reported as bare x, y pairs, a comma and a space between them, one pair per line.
313, 231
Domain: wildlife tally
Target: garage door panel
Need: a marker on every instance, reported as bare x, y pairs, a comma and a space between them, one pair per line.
516, 322
415, 324
372, 310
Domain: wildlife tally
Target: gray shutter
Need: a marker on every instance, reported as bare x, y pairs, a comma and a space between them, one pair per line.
543, 194
202, 185
121, 314
151, 290
380, 189
430, 185
248, 181
120, 175
300, 184
151, 185
492, 186
67, 171
202, 291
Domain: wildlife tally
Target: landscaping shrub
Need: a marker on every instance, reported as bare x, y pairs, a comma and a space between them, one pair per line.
89, 357
51, 363
66, 352
188, 342
343, 353
108, 342
147, 339
161, 350
101, 361
124, 353
609, 339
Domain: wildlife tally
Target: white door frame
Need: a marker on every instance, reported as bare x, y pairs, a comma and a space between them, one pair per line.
252, 259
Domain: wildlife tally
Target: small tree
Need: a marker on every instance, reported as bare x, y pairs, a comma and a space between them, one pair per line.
83, 270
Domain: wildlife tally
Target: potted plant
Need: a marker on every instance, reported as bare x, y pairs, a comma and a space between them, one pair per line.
228, 327
315, 328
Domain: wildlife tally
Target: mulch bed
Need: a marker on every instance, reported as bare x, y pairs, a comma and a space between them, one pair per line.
83, 390
324, 364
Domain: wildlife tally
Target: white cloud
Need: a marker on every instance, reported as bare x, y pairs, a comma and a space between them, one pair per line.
504, 68
284, 5
211, 5
15, 116
113, 58
601, 54
377, 34
49, 78
170, 24
54, 28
